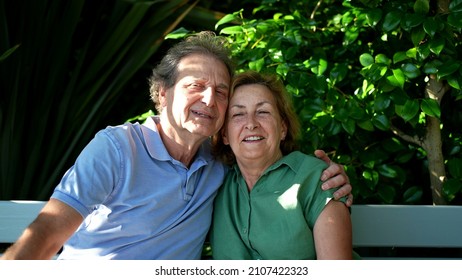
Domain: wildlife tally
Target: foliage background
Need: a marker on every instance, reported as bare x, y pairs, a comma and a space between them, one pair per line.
70, 68
356, 70
376, 83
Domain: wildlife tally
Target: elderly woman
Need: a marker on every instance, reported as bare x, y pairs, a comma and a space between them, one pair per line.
271, 205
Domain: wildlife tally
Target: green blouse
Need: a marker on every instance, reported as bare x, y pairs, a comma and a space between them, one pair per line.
275, 220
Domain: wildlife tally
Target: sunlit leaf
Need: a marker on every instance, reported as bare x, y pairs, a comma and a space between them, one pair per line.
430, 107
366, 59
397, 79
226, 19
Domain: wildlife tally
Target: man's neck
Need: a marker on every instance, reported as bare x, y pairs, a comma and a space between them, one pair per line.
180, 147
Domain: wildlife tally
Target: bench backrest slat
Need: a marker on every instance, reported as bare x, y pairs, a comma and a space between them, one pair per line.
423, 226
407, 226
15, 216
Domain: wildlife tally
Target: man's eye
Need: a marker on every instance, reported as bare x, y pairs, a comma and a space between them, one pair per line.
222, 93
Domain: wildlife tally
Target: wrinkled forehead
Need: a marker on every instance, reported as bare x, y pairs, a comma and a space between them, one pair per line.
202, 66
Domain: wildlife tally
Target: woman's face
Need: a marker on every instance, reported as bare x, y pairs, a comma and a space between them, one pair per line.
254, 127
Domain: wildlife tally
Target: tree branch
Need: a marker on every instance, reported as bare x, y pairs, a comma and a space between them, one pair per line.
411, 139
316, 9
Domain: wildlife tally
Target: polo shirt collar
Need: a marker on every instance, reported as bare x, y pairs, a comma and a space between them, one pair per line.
156, 147
290, 160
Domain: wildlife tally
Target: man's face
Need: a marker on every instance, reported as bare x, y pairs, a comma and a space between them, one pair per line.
198, 101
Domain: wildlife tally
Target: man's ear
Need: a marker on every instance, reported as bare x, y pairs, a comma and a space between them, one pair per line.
163, 97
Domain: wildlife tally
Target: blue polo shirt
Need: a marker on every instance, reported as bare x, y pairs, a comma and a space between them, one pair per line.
137, 201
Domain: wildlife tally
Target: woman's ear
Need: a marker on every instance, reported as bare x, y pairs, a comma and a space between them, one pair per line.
284, 130
224, 136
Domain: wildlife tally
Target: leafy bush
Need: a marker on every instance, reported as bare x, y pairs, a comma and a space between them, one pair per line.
375, 83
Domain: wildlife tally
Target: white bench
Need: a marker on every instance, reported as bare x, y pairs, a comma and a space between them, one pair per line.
375, 227
425, 231
15, 216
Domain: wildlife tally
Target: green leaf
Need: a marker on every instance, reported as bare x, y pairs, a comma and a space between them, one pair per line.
412, 53
452, 187
387, 193
397, 79
387, 171
382, 102
400, 56
410, 70
366, 59
454, 82
391, 21
412, 20
349, 125
178, 34
257, 65
431, 67
455, 167
448, 68
455, 6
383, 59
373, 16
417, 36
422, 6
338, 73
282, 69
431, 107
412, 195
227, 18
320, 67
409, 110
321, 120
232, 30
436, 45
8, 52
366, 125
371, 177
381, 122
430, 26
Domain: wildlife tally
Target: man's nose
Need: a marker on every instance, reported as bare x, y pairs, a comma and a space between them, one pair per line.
208, 96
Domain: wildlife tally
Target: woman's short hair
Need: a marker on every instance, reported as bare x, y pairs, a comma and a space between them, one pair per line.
284, 106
